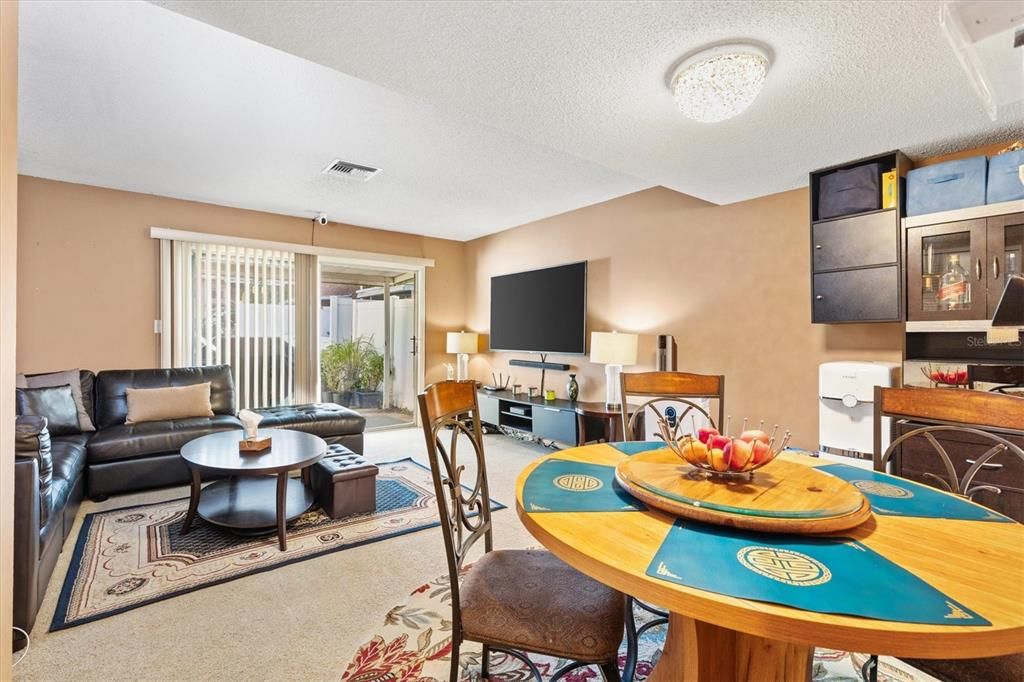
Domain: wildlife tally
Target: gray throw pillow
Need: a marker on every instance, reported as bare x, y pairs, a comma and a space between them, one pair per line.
56, 403
69, 377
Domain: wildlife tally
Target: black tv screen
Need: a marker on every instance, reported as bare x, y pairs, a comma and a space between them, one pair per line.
540, 311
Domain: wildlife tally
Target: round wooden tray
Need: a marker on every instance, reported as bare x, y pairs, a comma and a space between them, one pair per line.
782, 497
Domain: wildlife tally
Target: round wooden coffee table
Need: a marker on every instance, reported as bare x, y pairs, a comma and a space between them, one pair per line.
246, 502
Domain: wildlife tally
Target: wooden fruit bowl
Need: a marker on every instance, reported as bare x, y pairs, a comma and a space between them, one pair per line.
721, 456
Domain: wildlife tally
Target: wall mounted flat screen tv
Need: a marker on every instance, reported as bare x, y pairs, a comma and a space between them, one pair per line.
540, 311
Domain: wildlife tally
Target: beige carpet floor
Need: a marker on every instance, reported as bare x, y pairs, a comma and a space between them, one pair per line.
298, 622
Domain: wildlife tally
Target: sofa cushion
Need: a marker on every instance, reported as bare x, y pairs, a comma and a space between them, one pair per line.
127, 441
172, 402
56, 403
112, 387
32, 440
59, 497
81, 383
68, 456
319, 419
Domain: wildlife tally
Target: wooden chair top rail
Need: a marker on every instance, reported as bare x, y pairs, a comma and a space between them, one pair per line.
952, 406
448, 398
676, 384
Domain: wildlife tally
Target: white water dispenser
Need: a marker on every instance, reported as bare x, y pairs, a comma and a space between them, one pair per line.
846, 410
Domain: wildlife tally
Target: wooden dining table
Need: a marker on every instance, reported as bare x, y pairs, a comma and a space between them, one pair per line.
715, 637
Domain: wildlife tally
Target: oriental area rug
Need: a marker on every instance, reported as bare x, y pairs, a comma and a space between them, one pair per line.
412, 643
127, 558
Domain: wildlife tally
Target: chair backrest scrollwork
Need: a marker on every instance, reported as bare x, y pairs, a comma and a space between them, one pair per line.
464, 506
669, 387
987, 417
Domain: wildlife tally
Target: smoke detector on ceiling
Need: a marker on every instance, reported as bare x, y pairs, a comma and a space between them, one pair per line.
352, 171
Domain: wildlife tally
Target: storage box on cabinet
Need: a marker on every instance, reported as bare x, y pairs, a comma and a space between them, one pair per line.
946, 186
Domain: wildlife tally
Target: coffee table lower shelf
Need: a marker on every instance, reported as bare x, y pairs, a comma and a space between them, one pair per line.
248, 505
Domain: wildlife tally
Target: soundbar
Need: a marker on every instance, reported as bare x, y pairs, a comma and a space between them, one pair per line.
538, 364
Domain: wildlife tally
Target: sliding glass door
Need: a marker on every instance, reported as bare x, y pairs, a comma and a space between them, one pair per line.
369, 342
295, 327
237, 306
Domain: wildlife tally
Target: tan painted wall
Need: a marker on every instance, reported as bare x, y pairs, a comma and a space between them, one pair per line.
8, 304
88, 276
730, 282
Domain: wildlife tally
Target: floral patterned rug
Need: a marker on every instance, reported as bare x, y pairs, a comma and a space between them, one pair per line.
127, 558
413, 644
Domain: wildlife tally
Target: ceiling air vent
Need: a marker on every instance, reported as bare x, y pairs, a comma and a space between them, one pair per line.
352, 171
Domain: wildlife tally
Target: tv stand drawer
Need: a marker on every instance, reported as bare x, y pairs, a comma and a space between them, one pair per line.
554, 424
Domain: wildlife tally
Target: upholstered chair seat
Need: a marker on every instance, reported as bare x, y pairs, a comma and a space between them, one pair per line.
996, 669
531, 600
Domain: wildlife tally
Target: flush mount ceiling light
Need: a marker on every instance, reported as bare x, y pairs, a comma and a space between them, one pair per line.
719, 82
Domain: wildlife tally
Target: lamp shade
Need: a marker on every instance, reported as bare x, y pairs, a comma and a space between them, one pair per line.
612, 348
462, 342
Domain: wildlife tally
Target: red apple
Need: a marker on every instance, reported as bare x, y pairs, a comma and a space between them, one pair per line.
935, 375
718, 441
705, 433
961, 376
754, 434
761, 451
739, 453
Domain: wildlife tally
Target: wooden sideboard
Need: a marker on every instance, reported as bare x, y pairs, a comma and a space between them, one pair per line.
917, 457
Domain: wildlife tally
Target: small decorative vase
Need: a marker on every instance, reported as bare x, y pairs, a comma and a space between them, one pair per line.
572, 388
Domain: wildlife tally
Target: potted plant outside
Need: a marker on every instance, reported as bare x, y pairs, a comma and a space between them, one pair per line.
370, 376
340, 365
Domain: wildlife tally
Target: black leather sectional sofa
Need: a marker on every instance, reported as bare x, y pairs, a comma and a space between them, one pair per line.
53, 474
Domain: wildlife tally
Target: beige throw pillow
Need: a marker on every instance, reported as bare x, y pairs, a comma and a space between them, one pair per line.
173, 402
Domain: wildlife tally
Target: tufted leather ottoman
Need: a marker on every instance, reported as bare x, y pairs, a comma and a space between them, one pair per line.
345, 483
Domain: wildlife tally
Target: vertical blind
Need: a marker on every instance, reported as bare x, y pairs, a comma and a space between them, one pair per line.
237, 306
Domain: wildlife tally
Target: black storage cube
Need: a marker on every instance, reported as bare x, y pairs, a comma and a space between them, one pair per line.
850, 191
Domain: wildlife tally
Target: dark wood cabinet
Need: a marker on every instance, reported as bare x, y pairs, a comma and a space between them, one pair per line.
931, 252
855, 242
1004, 254
856, 260
862, 295
917, 457
986, 249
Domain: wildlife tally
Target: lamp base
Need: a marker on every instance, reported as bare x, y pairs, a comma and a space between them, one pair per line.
612, 390
462, 367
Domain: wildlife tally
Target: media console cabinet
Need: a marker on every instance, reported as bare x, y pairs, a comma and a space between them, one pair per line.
565, 421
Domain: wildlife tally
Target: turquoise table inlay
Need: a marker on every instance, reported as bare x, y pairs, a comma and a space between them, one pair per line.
895, 496
825, 575
635, 447
561, 485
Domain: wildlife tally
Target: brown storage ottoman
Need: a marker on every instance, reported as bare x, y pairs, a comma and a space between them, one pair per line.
345, 483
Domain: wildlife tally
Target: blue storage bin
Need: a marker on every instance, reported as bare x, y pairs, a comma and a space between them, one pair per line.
1005, 179
946, 186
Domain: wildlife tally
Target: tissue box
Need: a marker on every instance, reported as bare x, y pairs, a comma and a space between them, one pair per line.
1006, 177
254, 444
947, 186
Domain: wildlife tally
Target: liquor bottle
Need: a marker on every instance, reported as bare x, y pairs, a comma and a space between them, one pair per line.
954, 288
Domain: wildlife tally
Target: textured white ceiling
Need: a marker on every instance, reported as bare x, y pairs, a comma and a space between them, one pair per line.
131, 96
588, 78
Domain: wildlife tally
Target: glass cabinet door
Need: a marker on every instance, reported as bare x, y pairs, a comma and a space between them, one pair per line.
945, 271
1005, 247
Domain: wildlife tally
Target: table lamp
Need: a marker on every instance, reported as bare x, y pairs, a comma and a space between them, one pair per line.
462, 344
613, 350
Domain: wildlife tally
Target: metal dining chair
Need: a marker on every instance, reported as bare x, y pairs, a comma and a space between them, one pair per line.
656, 388
513, 601
930, 414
